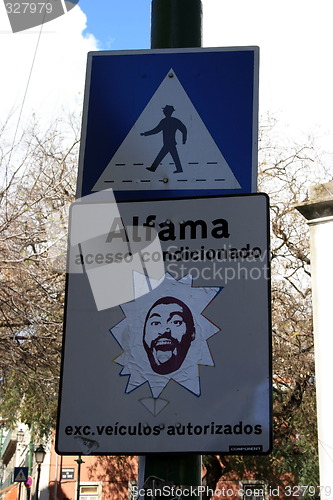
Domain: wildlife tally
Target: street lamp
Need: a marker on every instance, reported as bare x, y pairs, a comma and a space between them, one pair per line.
39, 457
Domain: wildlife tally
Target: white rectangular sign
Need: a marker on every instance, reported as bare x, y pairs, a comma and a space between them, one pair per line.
182, 362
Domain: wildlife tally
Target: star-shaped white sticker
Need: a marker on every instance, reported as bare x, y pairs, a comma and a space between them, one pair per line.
164, 336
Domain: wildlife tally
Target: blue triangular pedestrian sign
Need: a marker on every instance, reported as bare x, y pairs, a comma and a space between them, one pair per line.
171, 123
20, 474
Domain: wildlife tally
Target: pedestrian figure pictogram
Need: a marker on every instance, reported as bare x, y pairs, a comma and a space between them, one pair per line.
168, 126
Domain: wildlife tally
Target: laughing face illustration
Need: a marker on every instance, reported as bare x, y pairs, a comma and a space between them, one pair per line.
168, 333
164, 334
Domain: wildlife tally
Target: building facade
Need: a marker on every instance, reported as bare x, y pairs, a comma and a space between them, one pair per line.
60, 477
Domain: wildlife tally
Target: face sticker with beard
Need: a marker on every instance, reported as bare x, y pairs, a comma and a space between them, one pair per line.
164, 334
168, 333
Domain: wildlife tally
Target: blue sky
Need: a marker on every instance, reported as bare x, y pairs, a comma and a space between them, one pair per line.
118, 24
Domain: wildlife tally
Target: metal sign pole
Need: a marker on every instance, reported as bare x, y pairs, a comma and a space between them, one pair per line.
79, 462
174, 24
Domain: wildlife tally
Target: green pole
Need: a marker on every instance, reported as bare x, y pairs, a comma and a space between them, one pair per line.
175, 24
30, 458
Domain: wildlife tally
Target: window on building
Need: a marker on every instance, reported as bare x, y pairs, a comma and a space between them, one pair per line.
253, 490
89, 492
